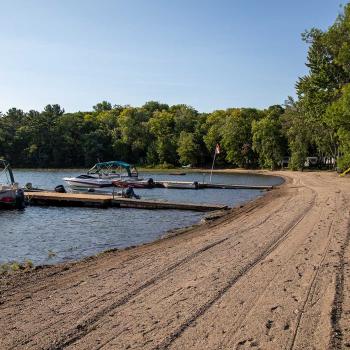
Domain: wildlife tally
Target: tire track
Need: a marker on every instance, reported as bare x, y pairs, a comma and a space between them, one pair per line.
206, 306
271, 247
336, 339
243, 318
311, 287
240, 232
84, 328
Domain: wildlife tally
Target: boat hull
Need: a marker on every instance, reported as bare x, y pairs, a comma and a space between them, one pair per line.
11, 199
134, 183
81, 183
181, 185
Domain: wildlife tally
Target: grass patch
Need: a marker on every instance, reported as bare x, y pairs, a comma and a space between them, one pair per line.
15, 266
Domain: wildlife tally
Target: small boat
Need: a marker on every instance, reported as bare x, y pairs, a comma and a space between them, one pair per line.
124, 183
103, 174
124, 193
181, 184
177, 174
87, 181
11, 196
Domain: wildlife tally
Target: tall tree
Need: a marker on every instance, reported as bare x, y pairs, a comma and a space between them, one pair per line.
237, 137
338, 117
162, 128
188, 148
268, 140
328, 61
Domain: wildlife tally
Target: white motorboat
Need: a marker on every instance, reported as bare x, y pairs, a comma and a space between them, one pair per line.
103, 175
88, 181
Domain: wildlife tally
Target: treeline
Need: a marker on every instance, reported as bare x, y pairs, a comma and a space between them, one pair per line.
154, 134
316, 124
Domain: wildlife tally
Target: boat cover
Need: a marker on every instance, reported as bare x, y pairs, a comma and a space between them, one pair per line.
6, 169
107, 165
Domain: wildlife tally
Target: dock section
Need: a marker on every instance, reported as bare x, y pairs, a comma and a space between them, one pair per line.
186, 185
235, 187
46, 198
149, 204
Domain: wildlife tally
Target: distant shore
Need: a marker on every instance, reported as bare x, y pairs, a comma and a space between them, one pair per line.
170, 170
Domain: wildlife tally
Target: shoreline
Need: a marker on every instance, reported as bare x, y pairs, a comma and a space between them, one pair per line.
166, 234
259, 171
252, 274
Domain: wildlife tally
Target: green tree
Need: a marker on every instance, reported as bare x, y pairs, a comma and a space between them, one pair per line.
237, 137
268, 141
134, 133
338, 117
188, 148
298, 134
162, 128
102, 106
328, 61
11, 144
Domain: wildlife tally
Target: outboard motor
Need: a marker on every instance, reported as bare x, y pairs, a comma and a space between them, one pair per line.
20, 199
129, 193
150, 183
60, 189
28, 186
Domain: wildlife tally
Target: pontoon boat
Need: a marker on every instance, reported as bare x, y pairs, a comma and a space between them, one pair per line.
11, 196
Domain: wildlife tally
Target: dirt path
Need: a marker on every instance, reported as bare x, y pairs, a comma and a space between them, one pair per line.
274, 274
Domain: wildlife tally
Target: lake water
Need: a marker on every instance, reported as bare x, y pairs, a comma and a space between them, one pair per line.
48, 235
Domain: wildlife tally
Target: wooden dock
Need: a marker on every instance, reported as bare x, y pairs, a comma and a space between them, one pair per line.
149, 204
235, 187
199, 185
68, 199
47, 198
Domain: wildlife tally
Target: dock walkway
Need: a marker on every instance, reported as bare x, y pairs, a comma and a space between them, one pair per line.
46, 198
200, 185
235, 187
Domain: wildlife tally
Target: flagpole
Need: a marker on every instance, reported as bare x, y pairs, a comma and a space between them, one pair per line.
212, 166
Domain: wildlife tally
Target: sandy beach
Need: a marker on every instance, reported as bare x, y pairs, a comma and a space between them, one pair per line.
272, 274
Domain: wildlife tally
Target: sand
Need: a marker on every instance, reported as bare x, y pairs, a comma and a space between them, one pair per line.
273, 274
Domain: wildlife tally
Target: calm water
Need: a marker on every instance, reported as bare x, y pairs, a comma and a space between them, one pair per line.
48, 235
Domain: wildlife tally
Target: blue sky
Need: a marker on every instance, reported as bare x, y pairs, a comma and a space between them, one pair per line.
207, 54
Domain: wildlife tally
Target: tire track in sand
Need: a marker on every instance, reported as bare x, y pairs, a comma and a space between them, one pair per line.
206, 306
311, 288
336, 340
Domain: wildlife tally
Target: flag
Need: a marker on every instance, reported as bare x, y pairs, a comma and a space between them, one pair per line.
217, 149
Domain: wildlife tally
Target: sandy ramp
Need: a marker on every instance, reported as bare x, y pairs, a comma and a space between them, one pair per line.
274, 274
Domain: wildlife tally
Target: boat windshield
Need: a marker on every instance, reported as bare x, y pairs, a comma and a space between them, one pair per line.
114, 167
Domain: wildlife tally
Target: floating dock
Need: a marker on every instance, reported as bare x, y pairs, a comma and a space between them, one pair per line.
197, 185
68, 199
47, 198
235, 187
